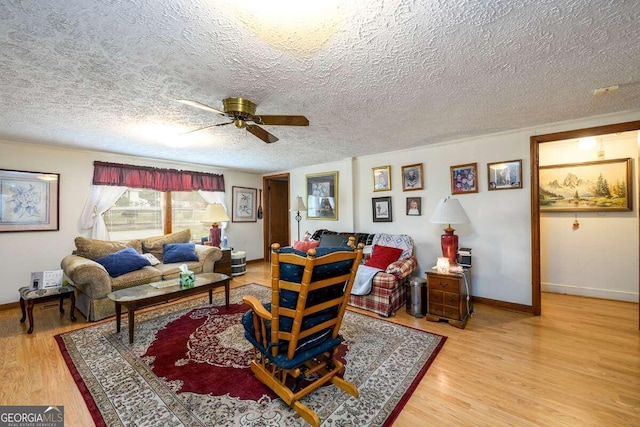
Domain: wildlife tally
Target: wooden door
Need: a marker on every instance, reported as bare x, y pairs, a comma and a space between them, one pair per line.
276, 212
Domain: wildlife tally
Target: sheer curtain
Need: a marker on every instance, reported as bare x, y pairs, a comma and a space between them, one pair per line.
216, 197
100, 200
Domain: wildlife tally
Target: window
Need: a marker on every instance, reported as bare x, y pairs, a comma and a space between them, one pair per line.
140, 213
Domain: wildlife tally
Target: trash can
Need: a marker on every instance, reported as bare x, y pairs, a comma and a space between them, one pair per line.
417, 296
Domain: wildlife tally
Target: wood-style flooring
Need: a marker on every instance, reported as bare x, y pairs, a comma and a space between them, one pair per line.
578, 364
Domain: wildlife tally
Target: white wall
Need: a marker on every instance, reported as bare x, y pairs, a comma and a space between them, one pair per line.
500, 229
24, 252
600, 258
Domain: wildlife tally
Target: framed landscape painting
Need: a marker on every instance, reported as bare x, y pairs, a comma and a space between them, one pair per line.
322, 196
29, 201
589, 186
244, 204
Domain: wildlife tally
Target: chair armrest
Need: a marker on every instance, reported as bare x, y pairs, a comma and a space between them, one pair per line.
402, 268
257, 306
208, 255
87, 275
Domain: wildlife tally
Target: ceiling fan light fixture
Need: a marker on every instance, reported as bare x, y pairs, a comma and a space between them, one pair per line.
239, 107
240, 123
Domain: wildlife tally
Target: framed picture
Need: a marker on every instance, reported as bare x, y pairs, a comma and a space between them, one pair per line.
29, 201
322, 196
414, 206
464, 178
382, 209
591, 186
412, 177
244, 204
382, 178
505, 175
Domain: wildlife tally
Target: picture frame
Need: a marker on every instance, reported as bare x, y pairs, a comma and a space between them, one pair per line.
414, 206
243, 201
505, 175
412, 177
381, 207
598, 186
464, 178
381, 178
29, 201
322, 195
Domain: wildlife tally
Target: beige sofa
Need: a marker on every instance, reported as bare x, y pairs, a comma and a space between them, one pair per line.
93, 283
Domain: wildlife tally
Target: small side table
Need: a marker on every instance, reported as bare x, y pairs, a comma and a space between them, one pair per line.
31, 296
448, 295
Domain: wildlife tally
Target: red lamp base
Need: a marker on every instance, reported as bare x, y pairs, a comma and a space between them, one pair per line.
449, 243
214, 235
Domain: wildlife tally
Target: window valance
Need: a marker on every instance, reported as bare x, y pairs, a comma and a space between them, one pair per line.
155, 178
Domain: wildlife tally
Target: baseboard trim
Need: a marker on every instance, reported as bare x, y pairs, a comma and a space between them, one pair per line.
503, 304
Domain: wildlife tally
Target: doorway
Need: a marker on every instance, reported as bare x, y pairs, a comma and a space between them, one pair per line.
535, 142
276, 226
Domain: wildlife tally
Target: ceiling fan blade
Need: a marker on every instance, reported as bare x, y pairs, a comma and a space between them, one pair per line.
282, 120
206, 127
201, 106
262, 134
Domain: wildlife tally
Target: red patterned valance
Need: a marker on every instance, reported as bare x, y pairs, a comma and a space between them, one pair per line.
155, 178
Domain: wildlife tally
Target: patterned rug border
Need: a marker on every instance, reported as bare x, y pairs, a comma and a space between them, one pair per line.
185, 305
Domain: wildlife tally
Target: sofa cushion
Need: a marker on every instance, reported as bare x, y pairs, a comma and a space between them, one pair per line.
333, 240
382, 256
155, 245
401, 241
305, 245
94, 248
122, 262
179, 252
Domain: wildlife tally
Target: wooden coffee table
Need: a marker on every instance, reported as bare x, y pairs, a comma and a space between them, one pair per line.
163, 291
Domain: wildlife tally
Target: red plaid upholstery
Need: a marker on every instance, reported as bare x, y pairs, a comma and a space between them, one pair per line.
387, 293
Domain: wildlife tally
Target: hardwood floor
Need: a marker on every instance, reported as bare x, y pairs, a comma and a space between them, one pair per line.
576, 365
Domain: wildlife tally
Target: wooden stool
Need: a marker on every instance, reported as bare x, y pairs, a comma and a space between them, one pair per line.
41, 295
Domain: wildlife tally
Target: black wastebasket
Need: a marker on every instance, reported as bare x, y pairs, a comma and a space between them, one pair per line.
417, 296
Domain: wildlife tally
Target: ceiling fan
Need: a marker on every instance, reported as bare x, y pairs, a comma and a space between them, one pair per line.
241, 111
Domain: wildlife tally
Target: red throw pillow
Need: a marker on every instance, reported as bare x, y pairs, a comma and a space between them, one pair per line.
382, 256
305, 245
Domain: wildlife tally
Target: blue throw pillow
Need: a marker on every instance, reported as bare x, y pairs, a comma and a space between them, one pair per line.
179, 252
122, 262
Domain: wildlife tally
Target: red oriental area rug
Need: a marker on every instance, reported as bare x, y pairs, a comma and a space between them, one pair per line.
189, 366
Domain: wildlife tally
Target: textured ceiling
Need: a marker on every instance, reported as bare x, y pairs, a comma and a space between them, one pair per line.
371, 76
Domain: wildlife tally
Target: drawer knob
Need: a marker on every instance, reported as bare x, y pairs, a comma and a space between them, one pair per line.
442, 284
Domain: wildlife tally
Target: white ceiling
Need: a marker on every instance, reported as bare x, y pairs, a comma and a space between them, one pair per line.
371, 76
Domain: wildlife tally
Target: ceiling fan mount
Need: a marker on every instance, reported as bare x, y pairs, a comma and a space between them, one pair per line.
241, 111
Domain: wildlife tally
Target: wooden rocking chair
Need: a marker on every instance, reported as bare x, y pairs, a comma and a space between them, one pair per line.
296, 335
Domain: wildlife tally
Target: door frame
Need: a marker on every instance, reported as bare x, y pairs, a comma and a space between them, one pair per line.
535, 141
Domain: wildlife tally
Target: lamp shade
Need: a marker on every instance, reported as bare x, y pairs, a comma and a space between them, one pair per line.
449, 211
214, 214
300, 204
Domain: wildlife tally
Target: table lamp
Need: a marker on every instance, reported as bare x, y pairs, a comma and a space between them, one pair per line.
449, 211
213, 215
300, 207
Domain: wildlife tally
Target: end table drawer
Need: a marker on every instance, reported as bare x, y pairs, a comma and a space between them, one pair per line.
451, 312
436, 297
436, 309
452, 299
445, 284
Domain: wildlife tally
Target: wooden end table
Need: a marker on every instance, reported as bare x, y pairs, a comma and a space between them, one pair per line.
157, 292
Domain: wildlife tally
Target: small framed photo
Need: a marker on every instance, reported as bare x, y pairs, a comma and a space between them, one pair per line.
414, 206
381, 209
244, 204
505, 175
464, 178
412, 177
29, 201
382, 178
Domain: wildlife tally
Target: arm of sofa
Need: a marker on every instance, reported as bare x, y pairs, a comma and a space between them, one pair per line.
208, 255
402, 268
88, 275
